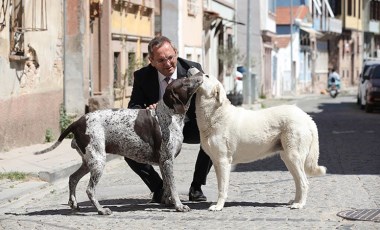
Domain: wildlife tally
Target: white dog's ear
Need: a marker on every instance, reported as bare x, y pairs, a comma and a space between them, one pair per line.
217, 93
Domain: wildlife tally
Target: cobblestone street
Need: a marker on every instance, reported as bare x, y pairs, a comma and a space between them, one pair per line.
258, 192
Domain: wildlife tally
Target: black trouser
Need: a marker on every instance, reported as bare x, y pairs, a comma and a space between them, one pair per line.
202, 166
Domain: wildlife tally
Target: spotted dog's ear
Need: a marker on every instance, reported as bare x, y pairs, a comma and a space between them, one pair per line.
179, 108
172, 100
178, 105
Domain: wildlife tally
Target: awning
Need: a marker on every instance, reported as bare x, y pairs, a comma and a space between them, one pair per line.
312, 31
212, 15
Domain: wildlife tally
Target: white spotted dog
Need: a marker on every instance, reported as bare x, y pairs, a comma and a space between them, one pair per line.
146, 136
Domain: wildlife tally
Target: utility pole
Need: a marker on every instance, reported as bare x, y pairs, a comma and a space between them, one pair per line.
249, 77
291, 49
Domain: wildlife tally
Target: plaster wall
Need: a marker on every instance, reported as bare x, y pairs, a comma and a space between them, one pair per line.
31, 91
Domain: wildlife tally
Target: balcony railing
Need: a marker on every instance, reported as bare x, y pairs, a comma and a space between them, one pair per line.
374, 26
334, 25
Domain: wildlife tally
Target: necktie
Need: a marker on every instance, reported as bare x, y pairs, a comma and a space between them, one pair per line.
167, 79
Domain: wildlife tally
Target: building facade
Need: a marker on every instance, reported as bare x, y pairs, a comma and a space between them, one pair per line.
371, 29
81, 55
219, 42
257, 51
181, 21
132, 27
332, 39
31, 71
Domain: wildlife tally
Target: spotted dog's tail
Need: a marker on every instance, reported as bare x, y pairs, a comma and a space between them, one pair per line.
59, 141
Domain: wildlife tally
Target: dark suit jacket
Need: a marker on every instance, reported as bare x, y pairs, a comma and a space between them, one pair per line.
146, 91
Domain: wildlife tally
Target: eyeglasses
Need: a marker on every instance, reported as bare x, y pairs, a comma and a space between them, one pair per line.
165, 60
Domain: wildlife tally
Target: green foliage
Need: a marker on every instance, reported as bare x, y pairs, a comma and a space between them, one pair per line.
229, 56
65, 120
263, 96
14, 176
133, 65
49, 137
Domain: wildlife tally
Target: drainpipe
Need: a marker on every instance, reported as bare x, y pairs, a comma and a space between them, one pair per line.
64, 53
90, 60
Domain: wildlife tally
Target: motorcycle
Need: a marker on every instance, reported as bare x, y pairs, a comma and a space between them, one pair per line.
333, 87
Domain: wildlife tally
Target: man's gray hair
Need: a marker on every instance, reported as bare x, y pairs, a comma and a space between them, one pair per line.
158, 42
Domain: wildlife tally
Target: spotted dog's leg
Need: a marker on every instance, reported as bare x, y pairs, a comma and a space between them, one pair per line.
73, 181
75, 178
96, 163
166, 167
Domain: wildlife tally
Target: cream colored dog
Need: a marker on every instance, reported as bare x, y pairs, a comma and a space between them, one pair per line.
231, 135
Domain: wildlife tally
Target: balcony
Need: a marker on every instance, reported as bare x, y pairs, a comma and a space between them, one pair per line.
146, 3
374, 27
334, 25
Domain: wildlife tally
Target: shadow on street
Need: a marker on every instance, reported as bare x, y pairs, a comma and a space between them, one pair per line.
131, 205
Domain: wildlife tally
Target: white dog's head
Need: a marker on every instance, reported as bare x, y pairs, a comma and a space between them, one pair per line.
211, 92
211, 88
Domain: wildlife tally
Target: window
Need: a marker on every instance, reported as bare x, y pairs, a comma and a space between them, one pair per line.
157, 18
336, 7
376, 72
375, 10
230, 44
145, 59
272, 6
22, 20
358, 44
349, 7
17, 34
192, 8
116, 70
131, 67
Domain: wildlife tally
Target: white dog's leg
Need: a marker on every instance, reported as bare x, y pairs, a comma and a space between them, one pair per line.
295, 165
222, 170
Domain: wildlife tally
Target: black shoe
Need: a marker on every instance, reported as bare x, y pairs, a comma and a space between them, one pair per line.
157, 196
196, 195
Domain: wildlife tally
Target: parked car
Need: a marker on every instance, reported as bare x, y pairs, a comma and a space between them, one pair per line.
370, 88
362, 83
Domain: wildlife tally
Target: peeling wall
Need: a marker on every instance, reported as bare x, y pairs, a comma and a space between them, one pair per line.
31, 89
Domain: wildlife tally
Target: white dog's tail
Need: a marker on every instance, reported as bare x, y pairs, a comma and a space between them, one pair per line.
311, 164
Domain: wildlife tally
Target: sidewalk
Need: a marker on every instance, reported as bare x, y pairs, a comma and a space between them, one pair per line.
42, 169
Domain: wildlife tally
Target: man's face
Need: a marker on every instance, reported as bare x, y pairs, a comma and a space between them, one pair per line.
164, 59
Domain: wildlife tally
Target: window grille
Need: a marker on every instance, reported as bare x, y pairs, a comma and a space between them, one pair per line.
192, 8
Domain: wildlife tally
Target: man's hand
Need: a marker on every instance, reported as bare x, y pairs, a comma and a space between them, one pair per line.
152, 106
